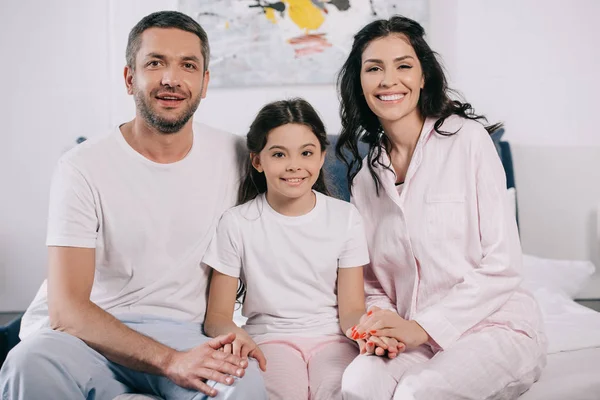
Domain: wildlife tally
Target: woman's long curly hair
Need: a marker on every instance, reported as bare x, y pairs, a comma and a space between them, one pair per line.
360, 123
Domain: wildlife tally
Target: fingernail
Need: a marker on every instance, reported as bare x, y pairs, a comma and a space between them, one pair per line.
239, 372
369, 313
353, 328
373, 331
364, 335
355, 335
229, 380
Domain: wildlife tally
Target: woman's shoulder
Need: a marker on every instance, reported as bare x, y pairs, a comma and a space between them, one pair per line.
468, 132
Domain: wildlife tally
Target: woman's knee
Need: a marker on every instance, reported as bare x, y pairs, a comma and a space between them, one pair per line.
367, 378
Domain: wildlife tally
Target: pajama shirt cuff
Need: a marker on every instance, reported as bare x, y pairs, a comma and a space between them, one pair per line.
443, 333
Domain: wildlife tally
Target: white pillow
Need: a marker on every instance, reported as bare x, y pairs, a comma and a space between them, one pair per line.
565, 276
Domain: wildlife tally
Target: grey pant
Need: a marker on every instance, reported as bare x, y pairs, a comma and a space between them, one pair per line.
56, 365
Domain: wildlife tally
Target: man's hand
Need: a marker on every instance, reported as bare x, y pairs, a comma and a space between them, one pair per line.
243, 346
192, 368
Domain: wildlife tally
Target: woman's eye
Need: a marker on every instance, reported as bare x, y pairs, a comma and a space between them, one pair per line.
307, 153
373, 69
405, 66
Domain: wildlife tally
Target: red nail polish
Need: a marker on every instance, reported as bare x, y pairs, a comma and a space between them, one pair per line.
364, 335
355, 335
372, 331
369, 313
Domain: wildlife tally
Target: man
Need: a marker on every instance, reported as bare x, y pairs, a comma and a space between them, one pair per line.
131, 215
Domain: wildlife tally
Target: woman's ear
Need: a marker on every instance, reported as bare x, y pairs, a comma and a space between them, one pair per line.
255, 159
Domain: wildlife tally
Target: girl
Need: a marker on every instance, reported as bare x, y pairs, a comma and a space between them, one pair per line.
299, 254
444, 248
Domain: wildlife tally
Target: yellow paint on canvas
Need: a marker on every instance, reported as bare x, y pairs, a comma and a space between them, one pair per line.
305, 14
270, 14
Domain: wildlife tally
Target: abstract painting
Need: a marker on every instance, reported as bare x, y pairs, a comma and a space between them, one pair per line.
288, 42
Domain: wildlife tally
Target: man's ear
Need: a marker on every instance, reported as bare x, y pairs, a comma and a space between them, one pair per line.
255, 158
128, 75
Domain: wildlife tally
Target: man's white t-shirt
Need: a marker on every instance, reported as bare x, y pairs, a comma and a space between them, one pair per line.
289, 264
150, 223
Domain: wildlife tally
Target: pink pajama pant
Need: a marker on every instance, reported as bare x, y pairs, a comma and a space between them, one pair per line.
301, 368
494, 363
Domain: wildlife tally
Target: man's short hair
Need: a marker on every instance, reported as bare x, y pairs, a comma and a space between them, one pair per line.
165, 19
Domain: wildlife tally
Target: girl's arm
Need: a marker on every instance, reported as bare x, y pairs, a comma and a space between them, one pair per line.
221, 303
351, 296
219, 318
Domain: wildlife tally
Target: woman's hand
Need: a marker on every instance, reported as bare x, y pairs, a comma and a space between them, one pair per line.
379, 346
386, 323
244, 346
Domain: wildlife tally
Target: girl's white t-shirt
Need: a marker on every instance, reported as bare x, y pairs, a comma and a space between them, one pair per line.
289, 264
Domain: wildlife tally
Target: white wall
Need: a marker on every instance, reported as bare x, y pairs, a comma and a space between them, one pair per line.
54, 89
528, 63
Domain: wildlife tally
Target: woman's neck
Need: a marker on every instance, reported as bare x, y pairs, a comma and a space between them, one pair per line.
403, 134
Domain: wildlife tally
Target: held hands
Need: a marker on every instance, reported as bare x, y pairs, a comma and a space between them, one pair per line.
386, 323
379, 346
243, 346
385, 330
192, 368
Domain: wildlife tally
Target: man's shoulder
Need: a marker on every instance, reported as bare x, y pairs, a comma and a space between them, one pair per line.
91, 150
209, 134
228, 148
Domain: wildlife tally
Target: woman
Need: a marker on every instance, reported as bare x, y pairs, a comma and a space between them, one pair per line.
444, 249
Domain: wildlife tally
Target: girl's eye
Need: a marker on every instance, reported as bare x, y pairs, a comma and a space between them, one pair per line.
278, 154
307, 153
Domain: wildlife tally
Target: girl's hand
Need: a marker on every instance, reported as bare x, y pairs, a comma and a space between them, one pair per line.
386, 323
382, 346
244, 346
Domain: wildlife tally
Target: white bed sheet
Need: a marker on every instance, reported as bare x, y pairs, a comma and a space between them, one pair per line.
570, 375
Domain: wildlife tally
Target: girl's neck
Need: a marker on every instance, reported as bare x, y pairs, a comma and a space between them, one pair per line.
292, 207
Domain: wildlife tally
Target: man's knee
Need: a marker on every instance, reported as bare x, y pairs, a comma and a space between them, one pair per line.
32, 356
250, 386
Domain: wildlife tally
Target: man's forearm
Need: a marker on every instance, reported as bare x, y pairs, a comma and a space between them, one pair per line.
114, 340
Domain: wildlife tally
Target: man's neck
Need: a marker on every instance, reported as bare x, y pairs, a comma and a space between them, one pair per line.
163, 148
